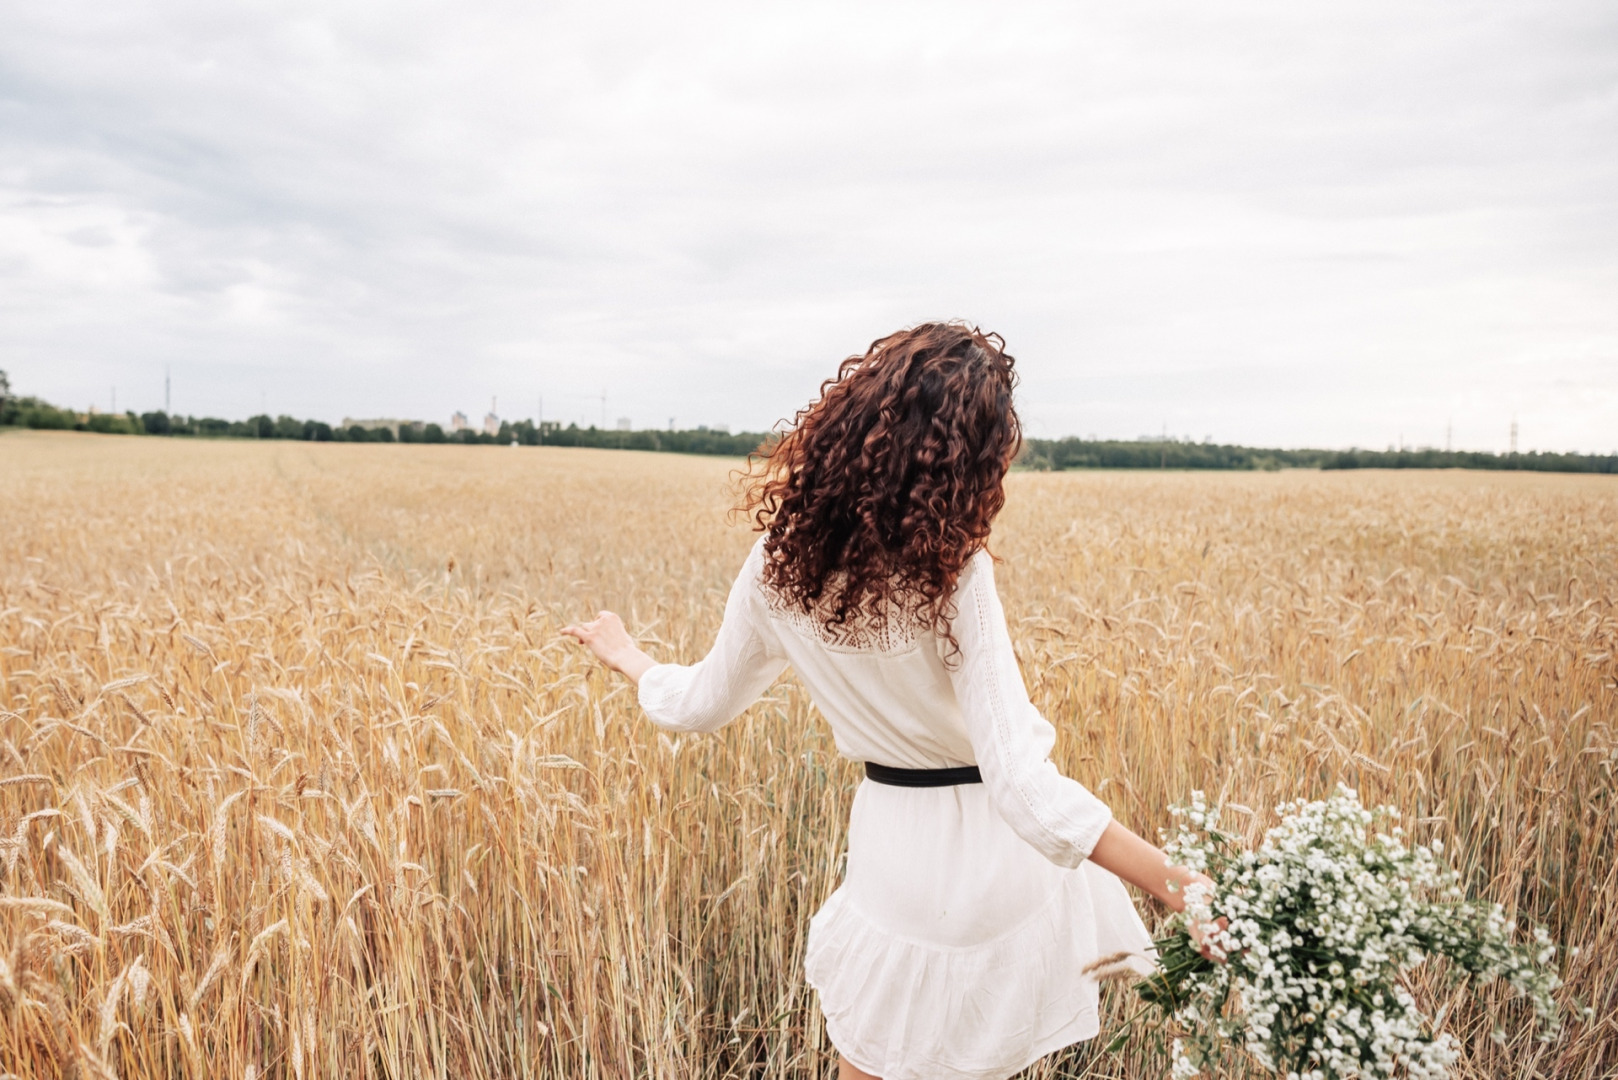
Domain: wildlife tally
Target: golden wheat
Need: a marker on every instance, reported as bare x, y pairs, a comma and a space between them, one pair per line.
298, 780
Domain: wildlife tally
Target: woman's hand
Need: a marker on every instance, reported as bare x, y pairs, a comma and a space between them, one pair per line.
605, 636
1201, 932
1142, 864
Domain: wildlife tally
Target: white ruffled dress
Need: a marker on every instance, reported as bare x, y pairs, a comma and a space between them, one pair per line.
957, 945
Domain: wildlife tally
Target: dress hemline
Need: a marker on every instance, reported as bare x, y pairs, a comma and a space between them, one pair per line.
1087, 1032
850, 1001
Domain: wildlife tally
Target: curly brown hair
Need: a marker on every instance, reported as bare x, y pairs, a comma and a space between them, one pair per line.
877, 494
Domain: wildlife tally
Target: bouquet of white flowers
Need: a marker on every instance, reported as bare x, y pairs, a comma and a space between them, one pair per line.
1318, 924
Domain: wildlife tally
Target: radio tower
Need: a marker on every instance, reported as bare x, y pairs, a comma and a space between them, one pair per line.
1513, 434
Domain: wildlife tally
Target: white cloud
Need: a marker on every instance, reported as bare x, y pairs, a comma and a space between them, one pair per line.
1274, 224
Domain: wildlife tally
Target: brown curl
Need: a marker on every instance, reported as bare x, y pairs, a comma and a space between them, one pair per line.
877, 494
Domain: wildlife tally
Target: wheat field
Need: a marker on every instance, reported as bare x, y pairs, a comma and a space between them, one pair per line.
297, 778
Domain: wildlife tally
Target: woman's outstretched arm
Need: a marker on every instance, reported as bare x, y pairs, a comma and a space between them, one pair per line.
709, 694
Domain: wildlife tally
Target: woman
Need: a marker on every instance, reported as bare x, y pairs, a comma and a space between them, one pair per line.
982, 889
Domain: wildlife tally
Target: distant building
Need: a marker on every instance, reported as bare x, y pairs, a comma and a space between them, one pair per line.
415, 426
623, 423
491, 424
457, 422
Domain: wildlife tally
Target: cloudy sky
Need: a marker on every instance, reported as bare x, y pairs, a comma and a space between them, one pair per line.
1284, 224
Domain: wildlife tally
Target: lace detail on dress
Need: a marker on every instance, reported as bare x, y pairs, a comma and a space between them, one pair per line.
900, 630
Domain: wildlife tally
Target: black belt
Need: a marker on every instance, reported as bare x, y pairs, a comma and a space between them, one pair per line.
895, 777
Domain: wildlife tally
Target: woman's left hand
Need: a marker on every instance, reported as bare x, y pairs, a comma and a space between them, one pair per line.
606, 636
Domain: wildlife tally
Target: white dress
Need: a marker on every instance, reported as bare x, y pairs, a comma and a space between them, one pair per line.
956, 946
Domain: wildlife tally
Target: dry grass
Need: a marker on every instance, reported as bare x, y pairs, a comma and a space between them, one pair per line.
297, 779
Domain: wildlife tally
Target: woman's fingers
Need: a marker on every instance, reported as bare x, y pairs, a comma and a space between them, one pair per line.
584, 630
604, 625
606, 637
1205, 936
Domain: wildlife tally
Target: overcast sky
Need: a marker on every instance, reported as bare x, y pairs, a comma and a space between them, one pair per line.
1281, 224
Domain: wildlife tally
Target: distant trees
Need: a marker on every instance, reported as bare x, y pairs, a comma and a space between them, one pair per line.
1051, 454
34, 413
1168, 454
112, 424
30, 411
697, 441
1157, 454
1533, 461
254, 427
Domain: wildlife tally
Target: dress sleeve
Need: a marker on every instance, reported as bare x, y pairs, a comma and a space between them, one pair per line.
1057, 815
743, 662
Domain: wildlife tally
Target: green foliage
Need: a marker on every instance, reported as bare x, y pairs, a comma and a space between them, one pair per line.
1060, 454
1463, 459
113, 424
31, 412
1167, 454
698, 441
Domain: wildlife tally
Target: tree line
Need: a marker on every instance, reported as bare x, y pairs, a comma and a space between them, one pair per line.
31, 412
28, 412
1042, 454
1072, 453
